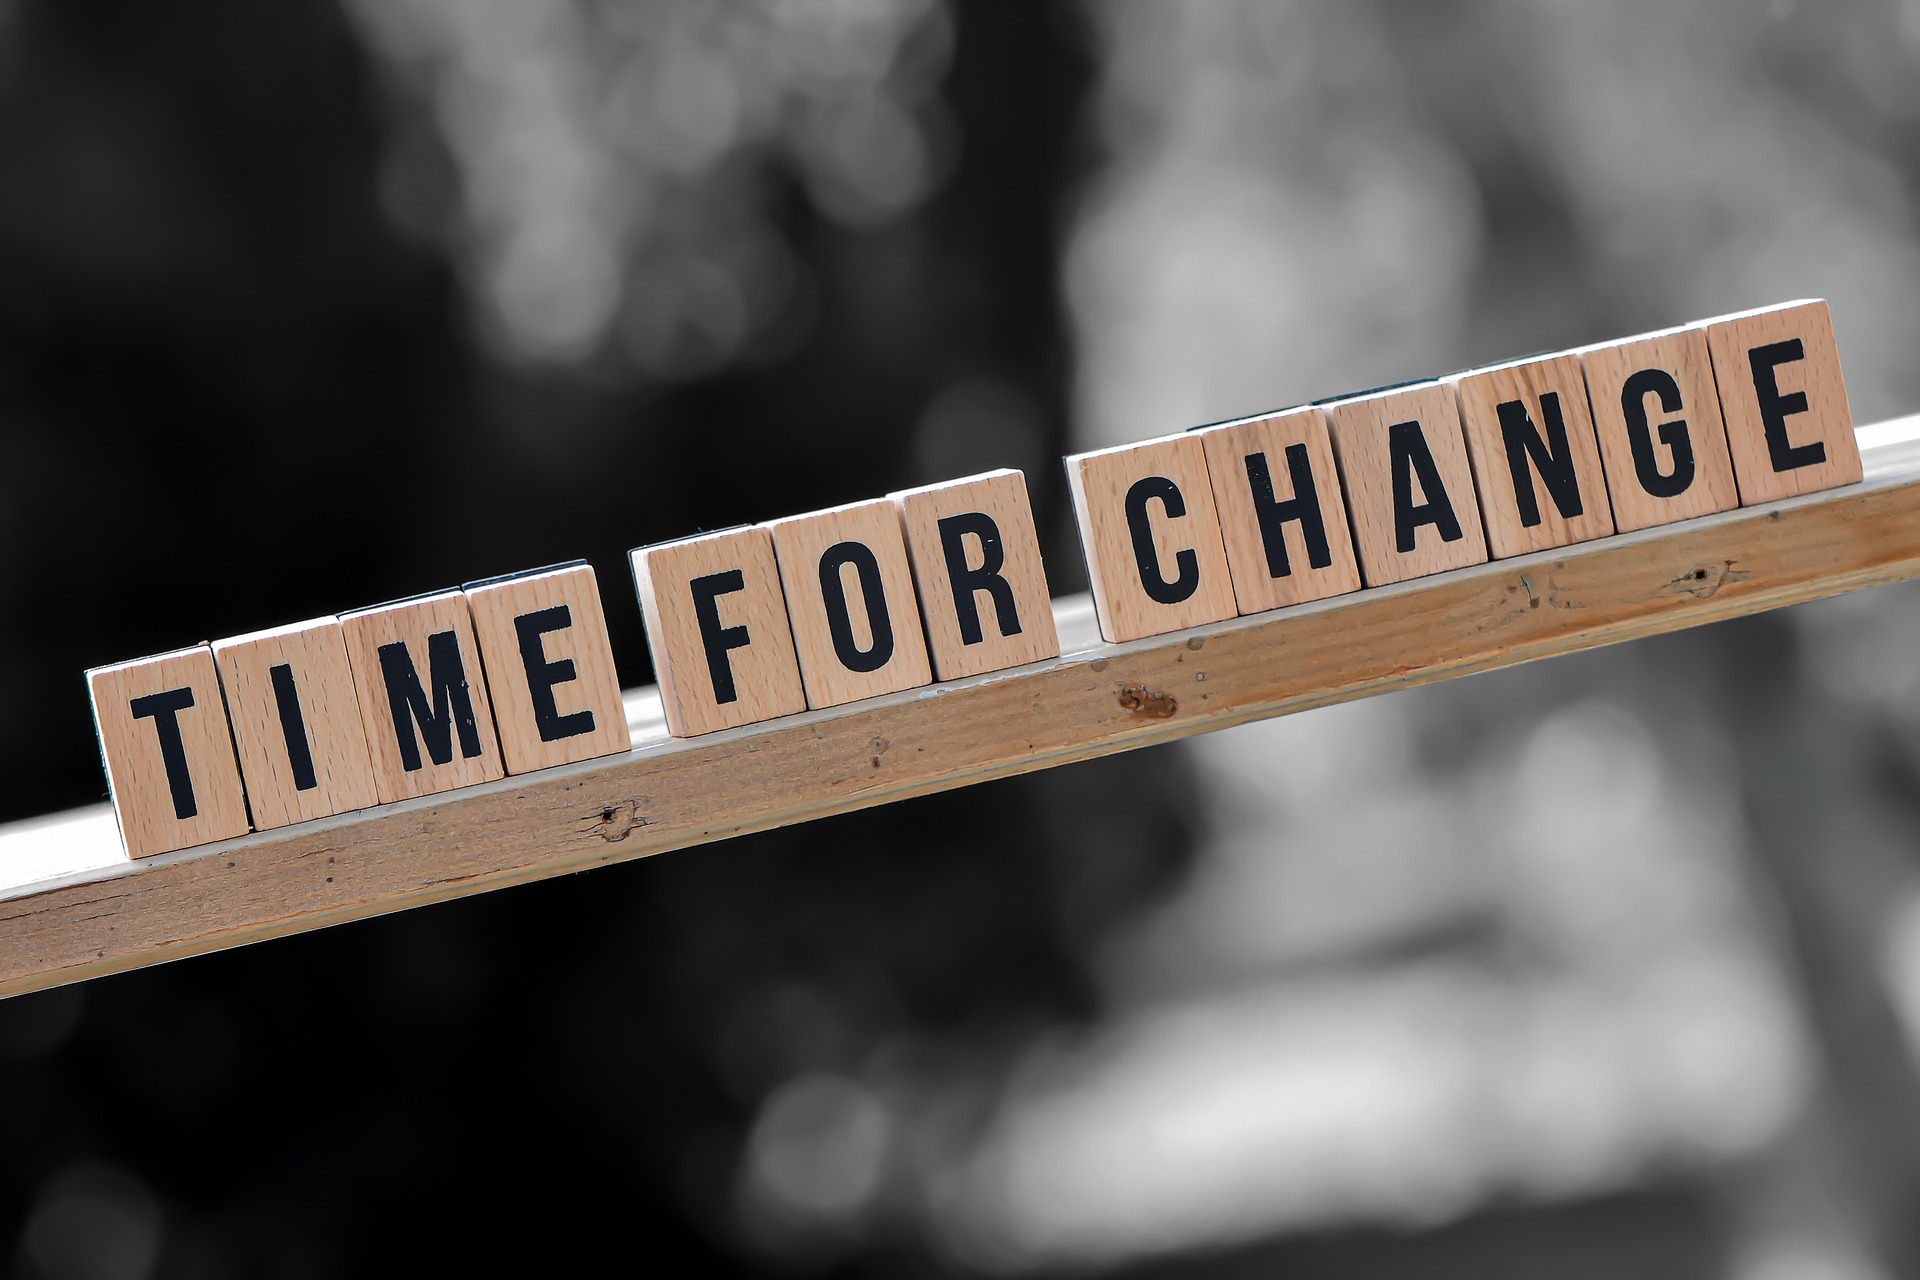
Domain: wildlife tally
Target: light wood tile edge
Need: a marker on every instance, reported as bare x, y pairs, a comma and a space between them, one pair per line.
673, 793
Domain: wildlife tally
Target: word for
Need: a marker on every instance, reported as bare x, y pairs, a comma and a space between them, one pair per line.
816, 610
515, 674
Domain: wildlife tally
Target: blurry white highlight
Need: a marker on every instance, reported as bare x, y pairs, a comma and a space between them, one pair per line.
75, 845
1282, 1060
817, 1153
616, 160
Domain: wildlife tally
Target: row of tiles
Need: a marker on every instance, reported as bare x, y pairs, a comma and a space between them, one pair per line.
1525, 456
515, 674
340, 713
944, 582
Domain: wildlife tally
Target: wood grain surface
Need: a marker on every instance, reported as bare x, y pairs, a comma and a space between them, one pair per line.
1363, 441
1655, 394
848, 567
447, 680
135, 733
1281, 464
985, 523
1788, 350
106, 913
315, 690
1533, 398
579, 690
757, 660
1164, 483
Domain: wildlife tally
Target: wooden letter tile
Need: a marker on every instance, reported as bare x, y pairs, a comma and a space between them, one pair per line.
1788, 423
717, 626
1530, 436
169, 755
850, 598
423, 696
1152, 538
1409, 485
296, 722
976, 562
1658, 418
1281, 511
550, 673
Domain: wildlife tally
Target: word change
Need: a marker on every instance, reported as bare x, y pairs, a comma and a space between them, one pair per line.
1371, 489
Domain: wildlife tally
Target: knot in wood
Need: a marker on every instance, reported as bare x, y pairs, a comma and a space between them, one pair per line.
1703, 582
618, 821
1151, 703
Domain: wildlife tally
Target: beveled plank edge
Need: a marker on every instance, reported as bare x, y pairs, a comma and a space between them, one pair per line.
1071, 708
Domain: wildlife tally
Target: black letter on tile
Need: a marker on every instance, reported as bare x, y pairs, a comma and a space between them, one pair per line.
451, 709
968, 583
542, 675
714, 638
1303, 506
1775, 408
164, 709
873, 593
1158, 589
1412, 460
1552, 455
1673, 433
293, 727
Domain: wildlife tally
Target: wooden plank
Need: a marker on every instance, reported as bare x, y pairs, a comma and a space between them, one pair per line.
90, 911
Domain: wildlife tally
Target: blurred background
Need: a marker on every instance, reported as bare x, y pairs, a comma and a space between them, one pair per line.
1607, 967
